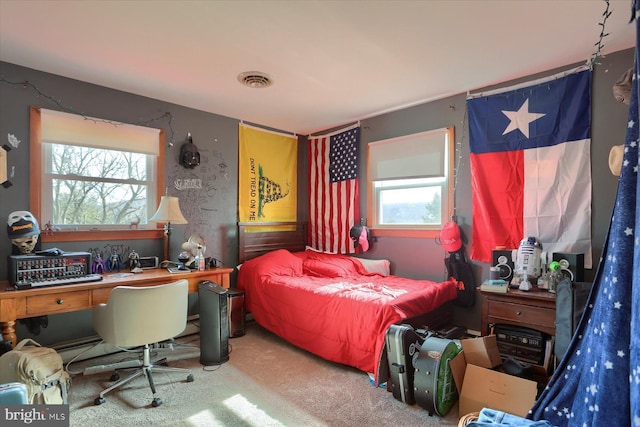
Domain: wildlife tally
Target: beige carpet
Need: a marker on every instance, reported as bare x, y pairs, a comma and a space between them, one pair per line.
266, 382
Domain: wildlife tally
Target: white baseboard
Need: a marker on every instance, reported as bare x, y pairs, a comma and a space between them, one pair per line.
90, 347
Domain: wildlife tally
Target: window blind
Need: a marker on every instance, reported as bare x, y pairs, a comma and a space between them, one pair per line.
420, 155
74, 129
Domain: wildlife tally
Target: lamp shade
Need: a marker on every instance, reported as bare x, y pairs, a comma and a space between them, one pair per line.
169, 211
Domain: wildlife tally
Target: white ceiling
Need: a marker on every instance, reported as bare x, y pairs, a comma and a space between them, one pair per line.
332, 62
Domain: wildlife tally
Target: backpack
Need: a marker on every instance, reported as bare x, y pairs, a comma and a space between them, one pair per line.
40, 369
459, 269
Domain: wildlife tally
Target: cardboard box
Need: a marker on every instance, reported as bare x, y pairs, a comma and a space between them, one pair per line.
482, 351
484, 388
480, 387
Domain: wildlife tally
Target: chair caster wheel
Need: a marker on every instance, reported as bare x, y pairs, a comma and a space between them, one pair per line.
190, 378
115, 377
99, 401
156, 402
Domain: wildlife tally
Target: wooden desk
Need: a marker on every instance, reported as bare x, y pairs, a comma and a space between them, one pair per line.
26, 303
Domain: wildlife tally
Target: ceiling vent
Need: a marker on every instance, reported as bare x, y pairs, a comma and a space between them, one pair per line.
255, 79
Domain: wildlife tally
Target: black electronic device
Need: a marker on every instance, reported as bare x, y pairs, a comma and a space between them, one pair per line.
571, 265
235, 307
30, 271
523, 344
214, 323
502, 258
147, 262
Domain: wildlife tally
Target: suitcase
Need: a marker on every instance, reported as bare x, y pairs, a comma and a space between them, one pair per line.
13, 394
434, 388
402, 343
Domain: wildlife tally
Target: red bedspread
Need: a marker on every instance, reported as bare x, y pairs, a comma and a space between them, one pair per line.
329, 304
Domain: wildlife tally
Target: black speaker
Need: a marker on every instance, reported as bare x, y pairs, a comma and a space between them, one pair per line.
571, 265
502, 258
214, 323
235, 307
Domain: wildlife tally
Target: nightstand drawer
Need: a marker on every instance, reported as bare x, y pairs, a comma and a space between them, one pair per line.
57, 303
530, 316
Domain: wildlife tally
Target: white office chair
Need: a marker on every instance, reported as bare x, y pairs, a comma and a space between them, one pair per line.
141, 316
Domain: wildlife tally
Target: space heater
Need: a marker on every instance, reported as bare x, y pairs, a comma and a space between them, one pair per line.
214, 323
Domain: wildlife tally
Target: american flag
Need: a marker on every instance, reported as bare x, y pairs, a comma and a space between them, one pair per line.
333, 189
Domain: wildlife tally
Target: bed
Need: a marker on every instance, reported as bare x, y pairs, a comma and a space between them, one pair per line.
334, 306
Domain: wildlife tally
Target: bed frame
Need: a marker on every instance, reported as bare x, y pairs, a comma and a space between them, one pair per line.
255, 239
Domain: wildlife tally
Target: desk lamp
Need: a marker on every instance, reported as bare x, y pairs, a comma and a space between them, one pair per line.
168, 212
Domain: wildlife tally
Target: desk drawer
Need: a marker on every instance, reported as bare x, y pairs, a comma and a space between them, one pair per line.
57, 303
528, 315
101, 296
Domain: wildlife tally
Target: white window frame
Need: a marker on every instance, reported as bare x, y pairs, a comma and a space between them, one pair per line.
146, 140
409, 161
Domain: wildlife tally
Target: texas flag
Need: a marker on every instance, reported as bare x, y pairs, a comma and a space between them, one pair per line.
531, 165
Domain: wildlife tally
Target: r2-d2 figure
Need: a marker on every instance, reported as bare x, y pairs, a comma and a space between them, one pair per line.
528, 262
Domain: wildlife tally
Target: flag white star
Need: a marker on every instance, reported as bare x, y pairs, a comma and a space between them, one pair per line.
520, 119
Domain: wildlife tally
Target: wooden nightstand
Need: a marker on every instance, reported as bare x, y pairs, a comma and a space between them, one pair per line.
535, 309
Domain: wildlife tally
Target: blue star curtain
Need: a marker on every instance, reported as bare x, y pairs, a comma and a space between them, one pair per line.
598, 381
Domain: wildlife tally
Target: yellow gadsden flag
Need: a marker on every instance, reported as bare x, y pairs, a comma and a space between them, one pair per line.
267, 181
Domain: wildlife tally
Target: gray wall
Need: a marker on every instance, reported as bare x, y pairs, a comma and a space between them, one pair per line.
423, 258
212, 211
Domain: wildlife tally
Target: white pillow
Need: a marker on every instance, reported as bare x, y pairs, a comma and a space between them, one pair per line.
381, 266
309, 248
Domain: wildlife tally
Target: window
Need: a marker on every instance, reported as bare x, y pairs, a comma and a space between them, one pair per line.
410, 190
94, 175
